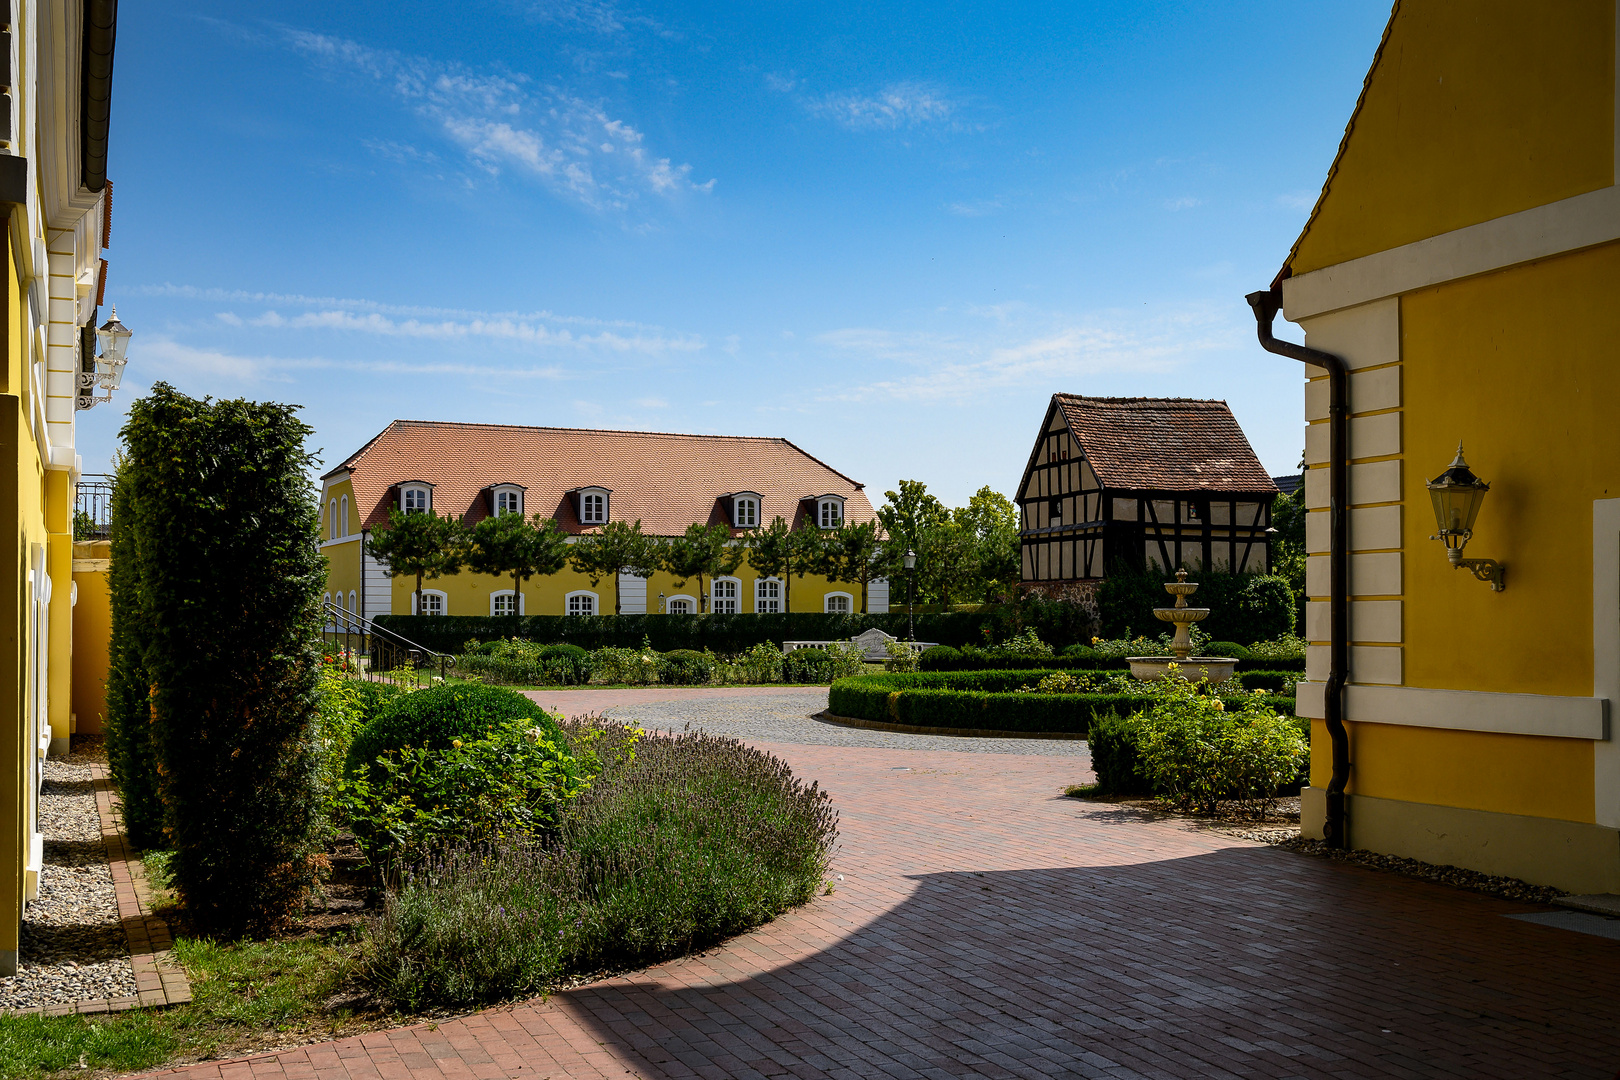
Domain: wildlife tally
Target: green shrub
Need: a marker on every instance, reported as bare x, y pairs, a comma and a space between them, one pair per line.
228, 576
1116, 755
687, 841
1080, 652
1243, 607
807, 665
762, 664
434, 718
515, 662
636, 667
1201, 754
502, 783
684, 667
1276, 682
1225, 648
969, 658
129, 708
1025, 643
1286, 647
939, 658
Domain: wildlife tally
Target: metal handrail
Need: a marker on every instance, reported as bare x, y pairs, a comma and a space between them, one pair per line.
387, 652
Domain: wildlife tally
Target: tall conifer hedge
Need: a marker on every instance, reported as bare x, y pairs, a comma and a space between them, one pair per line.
225, 526
129, 714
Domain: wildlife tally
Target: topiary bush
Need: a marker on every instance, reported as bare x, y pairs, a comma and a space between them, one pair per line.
1225, 648
1116, 757
685, 667
227, 574
1080, 652
434, 718
943, 658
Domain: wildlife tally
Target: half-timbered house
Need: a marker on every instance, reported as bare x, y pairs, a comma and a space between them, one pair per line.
1139, 483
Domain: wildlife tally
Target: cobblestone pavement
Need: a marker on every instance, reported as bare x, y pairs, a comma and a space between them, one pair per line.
773, 714
983, 926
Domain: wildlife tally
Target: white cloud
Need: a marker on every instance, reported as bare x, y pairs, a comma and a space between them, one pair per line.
958, 368
1186, 202
502, 329
898, 105
782, 84
162, 357
1297, 200
652, 403
977, 208
504, 121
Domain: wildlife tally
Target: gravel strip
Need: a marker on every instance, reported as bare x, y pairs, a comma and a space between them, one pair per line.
73, 945
790, 718
1505, 887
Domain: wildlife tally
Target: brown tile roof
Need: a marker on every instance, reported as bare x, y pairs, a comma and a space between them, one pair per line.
667, 481
1169, 444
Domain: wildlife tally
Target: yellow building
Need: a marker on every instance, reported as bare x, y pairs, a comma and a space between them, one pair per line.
1463, 262
53, 183
582, 479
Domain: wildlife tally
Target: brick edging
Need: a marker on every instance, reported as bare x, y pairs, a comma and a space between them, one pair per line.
962, 732
158, 979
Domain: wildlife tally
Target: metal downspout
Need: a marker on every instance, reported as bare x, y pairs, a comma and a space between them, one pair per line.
1266, 305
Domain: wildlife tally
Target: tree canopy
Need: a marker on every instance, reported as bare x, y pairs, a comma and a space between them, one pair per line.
619, 547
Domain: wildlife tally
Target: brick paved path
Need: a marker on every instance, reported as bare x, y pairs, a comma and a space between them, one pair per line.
987, 927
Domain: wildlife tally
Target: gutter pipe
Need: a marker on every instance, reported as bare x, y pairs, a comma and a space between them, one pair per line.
1266, 305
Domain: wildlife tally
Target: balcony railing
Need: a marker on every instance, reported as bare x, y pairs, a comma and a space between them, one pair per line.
92, 512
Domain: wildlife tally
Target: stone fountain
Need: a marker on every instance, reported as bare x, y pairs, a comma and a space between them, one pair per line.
1188, 666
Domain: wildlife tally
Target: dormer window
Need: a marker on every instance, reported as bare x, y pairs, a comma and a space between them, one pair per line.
745, 510
506, 499
415, 498
829, 511
593, 505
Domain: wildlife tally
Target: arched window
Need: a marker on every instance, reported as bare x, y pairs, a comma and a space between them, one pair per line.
745, 512
830, 513
501, 601
839, 603
682, 605
351, 602
768, 596
508, 502
343, 516
434, 602
414, 500
594, 509
581, 603
725, 596
331, 520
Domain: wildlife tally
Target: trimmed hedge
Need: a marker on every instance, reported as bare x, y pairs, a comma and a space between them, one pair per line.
430, 719
717, 633
955, 660
984, 700
1267, 680
1243, 607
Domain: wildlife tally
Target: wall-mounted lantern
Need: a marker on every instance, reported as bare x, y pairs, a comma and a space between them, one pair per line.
109, 366
1458, 494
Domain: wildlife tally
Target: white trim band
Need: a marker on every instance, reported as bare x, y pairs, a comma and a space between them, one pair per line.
1466, 710
1580, 221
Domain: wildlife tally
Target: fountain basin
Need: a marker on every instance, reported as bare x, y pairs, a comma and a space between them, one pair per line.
1192, 669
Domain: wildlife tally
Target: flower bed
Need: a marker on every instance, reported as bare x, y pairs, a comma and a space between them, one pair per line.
996, 700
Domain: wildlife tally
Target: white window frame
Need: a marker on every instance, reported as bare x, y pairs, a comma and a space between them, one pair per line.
504, 491
523, 600
409, 489
331, 520
669, 604
714, 594
568, 602
585, 497
352, 598
444, 601
760, 597
826, 603
343, 516
745, 512
837, 507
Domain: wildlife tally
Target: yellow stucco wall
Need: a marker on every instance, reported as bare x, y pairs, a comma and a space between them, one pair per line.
1475, 109
1474, 770
468, 594
1504, 363
92, 632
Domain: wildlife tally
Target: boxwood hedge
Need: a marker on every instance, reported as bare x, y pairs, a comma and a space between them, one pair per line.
983, 700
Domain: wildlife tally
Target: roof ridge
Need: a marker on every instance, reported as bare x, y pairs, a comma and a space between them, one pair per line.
587, 431
1136, 400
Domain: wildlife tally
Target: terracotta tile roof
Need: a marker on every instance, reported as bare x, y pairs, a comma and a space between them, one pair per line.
667, 481
1169, 444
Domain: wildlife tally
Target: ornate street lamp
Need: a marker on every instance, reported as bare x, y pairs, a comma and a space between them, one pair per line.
911, 592
109, 366
1458, 494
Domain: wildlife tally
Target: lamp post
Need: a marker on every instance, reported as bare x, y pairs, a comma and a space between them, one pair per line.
911, 593
1457, 495
109, 366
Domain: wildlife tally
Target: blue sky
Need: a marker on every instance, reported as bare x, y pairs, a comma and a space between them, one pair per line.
885, 231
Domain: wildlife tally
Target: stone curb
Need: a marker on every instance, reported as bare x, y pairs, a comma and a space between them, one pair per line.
159, 980
966, 733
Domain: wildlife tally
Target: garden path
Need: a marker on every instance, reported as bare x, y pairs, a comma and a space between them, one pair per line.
984, 926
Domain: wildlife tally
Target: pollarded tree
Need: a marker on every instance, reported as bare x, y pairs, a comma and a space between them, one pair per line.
702, 551
508, 544
780, 551
852, 554
616, 548
421, 544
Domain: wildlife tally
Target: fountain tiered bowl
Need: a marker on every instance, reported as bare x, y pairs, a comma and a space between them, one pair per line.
1189, 667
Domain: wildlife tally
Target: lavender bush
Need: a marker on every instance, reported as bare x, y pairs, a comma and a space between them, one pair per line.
680, 841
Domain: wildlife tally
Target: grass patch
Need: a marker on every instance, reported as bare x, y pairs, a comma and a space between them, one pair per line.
34, 1046
1082, 791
